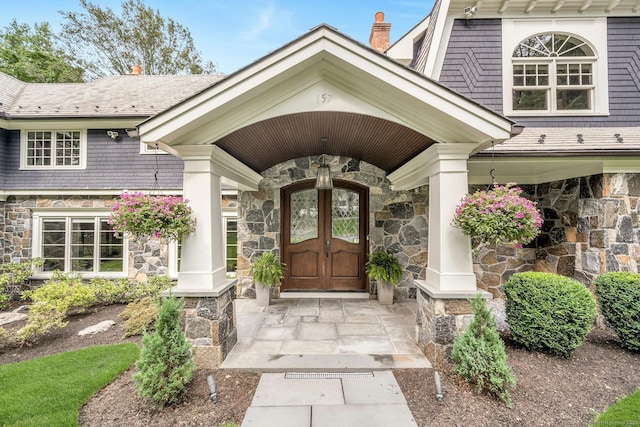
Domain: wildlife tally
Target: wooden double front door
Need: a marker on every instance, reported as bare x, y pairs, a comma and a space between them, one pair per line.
324, 237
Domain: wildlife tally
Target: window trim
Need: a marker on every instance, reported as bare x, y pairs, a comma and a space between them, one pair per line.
591, 30
146, 149
39, 215
24, 151
173, 245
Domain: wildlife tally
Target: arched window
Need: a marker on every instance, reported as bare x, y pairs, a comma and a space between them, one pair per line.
553, 72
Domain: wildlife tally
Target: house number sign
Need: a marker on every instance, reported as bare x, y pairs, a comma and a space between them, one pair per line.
323, 98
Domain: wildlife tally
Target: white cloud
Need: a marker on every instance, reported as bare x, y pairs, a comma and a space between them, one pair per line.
265, 20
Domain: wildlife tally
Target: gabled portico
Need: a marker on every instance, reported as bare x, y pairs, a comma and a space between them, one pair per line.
369, 107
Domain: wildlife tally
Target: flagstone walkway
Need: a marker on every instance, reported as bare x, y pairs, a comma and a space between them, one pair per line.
332, 357
325, 334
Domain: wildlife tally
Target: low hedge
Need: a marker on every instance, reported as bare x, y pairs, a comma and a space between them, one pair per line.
549, 312
619, 299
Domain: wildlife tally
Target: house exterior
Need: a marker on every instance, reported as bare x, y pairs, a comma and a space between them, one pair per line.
542, 93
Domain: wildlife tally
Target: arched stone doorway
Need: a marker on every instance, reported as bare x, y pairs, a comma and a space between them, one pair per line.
324, 236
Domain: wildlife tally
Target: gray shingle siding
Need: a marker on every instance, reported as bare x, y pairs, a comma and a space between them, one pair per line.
3, 156
111, 165
472, 64
472, 67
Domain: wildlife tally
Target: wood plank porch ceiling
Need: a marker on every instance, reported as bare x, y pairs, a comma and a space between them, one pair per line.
382, 143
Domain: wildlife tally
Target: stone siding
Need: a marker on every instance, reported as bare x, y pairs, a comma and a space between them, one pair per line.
590, 227
397, 219
439, 322
608, 230
145, 256
210, 326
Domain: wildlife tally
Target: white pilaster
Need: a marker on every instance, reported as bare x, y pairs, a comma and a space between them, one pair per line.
202, 265
450, 265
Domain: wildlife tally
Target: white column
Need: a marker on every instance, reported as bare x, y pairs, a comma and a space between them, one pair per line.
202, 265
450, 265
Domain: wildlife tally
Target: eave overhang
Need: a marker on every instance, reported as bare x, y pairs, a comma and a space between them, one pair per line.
324, 72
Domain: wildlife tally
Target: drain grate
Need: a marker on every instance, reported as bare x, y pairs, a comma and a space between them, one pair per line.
327, 375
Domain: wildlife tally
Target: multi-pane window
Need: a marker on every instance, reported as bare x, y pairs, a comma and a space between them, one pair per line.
80, 244
231, 252
53, 149
553, 72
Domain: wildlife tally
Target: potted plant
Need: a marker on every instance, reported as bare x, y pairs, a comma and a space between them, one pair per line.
267, 271
141, 215
498, 215
385, 269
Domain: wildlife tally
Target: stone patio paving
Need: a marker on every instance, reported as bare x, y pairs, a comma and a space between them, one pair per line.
325, 334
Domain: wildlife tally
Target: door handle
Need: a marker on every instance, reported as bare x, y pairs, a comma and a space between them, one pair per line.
327, 247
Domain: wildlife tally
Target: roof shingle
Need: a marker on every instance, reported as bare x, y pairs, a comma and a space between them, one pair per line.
114, 96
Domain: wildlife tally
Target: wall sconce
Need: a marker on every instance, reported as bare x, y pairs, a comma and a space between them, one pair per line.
113, 134
324, 181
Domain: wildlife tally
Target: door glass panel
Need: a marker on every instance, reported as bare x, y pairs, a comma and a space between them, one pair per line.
304, 215
345, 215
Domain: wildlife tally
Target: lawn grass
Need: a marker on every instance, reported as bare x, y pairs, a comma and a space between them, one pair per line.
49, 391
625, 411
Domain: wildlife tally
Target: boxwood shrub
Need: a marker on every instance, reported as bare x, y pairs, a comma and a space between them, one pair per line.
619, 299
549, 312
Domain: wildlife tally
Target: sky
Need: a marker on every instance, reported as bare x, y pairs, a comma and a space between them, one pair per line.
234, 33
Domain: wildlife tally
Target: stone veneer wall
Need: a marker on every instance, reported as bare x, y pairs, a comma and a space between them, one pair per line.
397, 220
590, 227
439, 321
210, 325
608, 230
3, 236
145, 256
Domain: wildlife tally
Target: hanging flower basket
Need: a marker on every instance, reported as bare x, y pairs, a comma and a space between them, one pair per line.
499, 215
138, 214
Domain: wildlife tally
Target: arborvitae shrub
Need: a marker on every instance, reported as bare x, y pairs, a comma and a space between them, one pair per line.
619, 299
549, 312
165, 366
479, 356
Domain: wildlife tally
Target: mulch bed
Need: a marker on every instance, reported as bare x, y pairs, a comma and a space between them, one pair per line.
551, 391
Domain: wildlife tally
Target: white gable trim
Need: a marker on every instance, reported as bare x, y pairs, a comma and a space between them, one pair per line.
402, 49
291, 80
439, 40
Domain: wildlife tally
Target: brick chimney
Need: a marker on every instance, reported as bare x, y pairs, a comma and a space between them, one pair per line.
380, 32
136, 70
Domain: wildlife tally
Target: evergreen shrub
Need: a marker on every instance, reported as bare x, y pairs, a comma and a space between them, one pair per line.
52, 302
165, 366
619, 299
111, 291
549, 312
14, 278
479, 356
140, 316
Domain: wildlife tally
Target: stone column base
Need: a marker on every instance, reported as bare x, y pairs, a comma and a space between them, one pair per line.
441, 317
210, 325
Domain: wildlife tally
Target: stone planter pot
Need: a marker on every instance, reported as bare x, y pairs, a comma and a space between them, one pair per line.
385, 293
263, 294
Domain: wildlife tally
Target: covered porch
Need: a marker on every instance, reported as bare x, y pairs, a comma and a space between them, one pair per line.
402, 138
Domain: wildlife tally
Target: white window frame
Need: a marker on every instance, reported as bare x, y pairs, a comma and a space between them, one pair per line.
39, 215
591, 30
225, 220
147, 149
173, 247
24, 149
